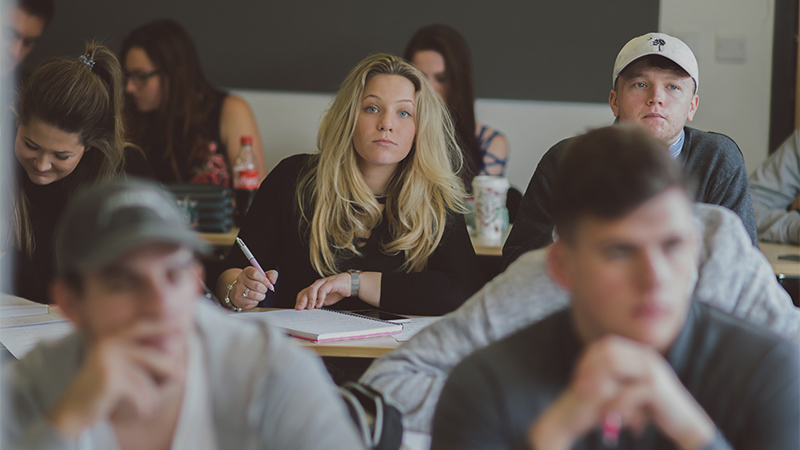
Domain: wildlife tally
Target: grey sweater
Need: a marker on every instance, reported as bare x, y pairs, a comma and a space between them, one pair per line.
773, 187
733, 276
713, 160
751, 394
267, 392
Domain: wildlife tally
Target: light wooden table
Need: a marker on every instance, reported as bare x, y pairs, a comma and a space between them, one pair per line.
221, 239
782, 267
487, 249
372, 347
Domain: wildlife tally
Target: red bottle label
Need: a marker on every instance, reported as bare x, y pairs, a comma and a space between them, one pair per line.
248, 179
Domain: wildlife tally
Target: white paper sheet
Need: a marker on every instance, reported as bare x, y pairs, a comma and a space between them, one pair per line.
21, 340
22, 321
416, 325
323, 324
12, 306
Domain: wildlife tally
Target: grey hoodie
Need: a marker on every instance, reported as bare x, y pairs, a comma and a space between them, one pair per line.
733, 276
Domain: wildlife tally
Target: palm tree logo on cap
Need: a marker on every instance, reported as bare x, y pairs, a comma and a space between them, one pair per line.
658, 43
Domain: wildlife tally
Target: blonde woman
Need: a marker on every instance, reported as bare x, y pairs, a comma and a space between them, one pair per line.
372, 220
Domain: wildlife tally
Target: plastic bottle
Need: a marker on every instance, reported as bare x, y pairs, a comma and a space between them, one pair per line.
245, 179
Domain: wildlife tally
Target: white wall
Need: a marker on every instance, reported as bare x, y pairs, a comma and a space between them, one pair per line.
288, 122
734, 97
533, 127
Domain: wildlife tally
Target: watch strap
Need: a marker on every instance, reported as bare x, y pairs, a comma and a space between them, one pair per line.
354, 282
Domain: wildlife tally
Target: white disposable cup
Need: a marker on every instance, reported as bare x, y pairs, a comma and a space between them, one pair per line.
490, 202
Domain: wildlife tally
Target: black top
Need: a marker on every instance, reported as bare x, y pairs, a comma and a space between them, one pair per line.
745, 379
273, 232
712, 159
46, 204
153, 140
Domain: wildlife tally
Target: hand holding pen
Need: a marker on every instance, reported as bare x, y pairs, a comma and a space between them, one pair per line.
249, 255
251, 284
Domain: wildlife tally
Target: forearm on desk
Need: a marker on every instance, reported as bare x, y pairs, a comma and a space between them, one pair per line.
774, 186
776, 225
369, 289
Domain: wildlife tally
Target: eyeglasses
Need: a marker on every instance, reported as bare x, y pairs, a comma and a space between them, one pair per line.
140, 78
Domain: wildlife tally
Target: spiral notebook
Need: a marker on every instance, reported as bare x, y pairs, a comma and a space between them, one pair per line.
321, 325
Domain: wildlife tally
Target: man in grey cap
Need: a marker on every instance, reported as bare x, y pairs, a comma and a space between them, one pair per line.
148, 365
655, 84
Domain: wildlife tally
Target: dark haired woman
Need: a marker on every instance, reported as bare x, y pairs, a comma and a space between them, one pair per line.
442, 54
189, 129
70, 135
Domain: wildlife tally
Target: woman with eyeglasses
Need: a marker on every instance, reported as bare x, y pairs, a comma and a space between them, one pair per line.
189, 129
70, 135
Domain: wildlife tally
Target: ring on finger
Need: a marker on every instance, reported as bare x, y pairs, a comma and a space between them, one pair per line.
246, 291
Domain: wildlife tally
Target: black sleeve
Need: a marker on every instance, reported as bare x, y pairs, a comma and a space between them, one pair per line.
533, 227
28, 280
469, 414
452, 276
267, 222
774, 412
136, 164
270, 231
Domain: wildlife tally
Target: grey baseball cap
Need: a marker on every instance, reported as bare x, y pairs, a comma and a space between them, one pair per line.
112, 218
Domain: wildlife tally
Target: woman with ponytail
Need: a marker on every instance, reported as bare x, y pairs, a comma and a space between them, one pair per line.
70, 135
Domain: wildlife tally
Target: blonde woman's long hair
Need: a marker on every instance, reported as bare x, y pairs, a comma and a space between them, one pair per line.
75, 95
422, 192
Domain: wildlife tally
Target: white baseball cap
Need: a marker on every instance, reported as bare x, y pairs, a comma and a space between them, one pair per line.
659, 44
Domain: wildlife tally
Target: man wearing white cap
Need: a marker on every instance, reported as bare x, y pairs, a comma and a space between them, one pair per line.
655, 82
148, 365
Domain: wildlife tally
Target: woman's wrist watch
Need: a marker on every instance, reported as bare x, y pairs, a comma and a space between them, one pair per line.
228, 301
354, 273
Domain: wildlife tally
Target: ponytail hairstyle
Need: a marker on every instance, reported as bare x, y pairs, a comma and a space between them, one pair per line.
186, 92
82, 96
335, 203
448, 42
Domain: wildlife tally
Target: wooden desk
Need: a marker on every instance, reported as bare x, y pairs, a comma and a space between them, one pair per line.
489, 249
782, 267
221, 239
373, 347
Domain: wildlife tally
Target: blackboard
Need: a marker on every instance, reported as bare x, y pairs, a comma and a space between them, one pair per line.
556, 50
